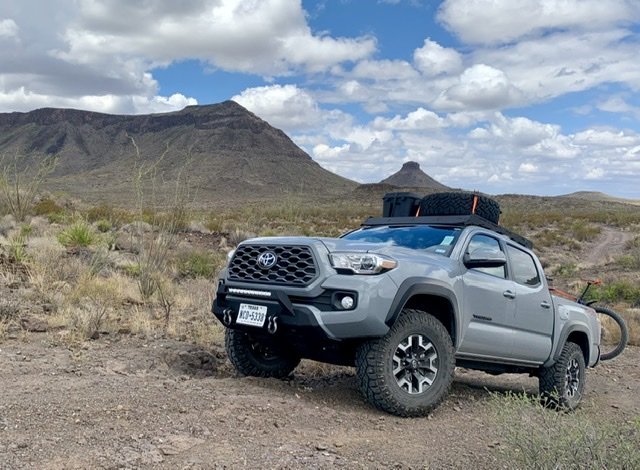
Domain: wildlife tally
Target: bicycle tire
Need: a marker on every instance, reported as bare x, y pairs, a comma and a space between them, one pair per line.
624, 333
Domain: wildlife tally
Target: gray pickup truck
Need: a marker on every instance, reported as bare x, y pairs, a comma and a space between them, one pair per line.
405, 300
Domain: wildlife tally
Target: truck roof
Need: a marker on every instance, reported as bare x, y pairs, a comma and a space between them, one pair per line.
449, 221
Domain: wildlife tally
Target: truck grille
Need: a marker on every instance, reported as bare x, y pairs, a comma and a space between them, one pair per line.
295, 265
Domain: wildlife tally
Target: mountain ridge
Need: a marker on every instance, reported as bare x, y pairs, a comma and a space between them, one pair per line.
225, 150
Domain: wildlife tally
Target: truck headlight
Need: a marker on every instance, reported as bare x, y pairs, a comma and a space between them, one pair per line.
362, 263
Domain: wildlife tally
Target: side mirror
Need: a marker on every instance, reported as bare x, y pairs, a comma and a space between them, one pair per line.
484, 258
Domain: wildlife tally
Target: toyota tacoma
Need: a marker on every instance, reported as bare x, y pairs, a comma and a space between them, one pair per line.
433, 284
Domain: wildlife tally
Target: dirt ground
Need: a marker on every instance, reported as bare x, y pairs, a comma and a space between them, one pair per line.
130, 402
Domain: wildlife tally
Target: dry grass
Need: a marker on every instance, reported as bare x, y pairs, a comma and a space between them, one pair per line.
535, 437
95, 289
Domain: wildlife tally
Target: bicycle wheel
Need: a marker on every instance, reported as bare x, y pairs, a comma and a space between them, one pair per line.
614, 335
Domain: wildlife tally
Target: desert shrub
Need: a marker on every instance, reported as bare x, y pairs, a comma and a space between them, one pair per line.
617, 291
198, 263
584, 231
47, 206
567, 270
631, 261
554, 238
214, 223
8, 310
18, 247
20, 182
633, 244
132, 270
535, 437
60, 218
79, 234
103, 225
116, 217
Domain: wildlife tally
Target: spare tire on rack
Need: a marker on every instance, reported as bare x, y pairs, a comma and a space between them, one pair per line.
460, 204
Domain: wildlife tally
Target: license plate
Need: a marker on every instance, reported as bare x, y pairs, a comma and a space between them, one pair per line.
253, 315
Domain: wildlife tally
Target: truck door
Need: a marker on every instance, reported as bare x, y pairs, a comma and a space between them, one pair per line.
532, 322
488, 307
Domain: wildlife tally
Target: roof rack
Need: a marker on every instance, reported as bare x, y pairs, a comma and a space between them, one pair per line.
449, 221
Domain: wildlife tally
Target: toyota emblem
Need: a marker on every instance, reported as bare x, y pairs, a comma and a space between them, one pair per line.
267, 260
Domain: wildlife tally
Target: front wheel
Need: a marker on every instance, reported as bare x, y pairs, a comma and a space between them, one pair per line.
408, 371
255, 357
614, 336
562, 384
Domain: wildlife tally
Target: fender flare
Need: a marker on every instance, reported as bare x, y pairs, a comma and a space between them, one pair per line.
564, 335
413, 286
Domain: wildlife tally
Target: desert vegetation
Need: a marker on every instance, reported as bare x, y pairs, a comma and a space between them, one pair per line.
83, 272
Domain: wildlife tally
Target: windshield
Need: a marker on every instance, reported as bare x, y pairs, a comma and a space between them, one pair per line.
438, 240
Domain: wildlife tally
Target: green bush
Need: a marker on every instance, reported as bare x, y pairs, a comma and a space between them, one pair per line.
103, 225
584, 231
79, 234
618, 291
106, 212
47, 206
198, 264
536, 437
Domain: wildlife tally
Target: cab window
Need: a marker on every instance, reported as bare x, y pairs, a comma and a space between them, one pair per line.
523, 267
485, 241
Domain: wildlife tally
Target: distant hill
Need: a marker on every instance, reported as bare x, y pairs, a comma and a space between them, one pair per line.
411, 176
223, 150
599, 197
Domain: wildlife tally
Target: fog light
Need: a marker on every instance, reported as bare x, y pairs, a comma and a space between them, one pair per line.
347, 302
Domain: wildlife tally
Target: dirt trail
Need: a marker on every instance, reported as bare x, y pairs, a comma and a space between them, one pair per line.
126, 402
609, 245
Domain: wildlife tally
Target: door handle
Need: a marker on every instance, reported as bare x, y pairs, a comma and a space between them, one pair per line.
545, 304
509, 295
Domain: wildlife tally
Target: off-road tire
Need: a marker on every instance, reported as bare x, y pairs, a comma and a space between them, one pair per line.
374, 366
555, 387
460, 204
624, 333
251, 357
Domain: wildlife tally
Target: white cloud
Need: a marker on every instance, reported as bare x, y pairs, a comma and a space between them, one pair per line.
8, 28
606, 138
432, 59
384, 70
526, 167
503, 21
595, 174
618, 104
94, 52
287, 106
564, 62
420, 119
21, 99
479, 87
266, 37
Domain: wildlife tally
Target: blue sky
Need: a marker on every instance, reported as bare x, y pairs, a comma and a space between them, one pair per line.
504, 96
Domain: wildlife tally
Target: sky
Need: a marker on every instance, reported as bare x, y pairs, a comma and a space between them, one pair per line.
502, 96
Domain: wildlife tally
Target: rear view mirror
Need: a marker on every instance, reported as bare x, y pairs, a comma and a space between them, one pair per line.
484, 258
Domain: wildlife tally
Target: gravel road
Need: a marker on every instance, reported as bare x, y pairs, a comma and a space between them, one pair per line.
129, 402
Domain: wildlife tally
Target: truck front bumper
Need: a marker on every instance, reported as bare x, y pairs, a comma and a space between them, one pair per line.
316, 313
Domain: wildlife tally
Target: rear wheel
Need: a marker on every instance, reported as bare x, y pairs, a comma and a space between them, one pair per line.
562, 384
255, 357
408, 371
614, 335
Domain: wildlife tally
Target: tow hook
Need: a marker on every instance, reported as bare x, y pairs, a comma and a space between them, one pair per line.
227, 319
272, 325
